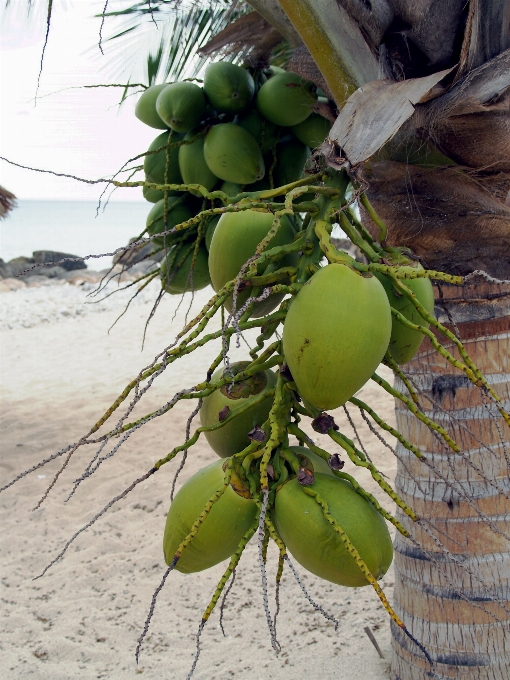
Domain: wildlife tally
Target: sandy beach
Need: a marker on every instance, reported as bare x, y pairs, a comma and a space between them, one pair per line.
83, 618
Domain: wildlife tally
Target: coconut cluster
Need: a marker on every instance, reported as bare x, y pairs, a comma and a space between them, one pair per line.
242, 131
254, 131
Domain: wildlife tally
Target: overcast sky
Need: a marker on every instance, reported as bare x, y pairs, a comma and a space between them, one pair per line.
79, 132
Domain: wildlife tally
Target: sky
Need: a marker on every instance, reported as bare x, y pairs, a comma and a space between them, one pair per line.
79, 132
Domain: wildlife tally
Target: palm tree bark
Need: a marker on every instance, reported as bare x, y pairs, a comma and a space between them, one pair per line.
456, 598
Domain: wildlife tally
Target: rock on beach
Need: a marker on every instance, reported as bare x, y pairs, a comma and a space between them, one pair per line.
27, 309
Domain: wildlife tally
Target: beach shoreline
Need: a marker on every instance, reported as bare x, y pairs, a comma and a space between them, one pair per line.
82, 620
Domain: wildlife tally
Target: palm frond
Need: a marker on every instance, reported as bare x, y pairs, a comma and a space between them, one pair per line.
8, 201
159, 40
250, 37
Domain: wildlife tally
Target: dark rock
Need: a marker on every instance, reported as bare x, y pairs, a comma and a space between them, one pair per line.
5, 271
135, 255
53, 272
19, 264
157, 257
48, 256
142, 267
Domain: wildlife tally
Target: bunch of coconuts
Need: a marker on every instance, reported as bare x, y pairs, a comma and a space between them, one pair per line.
252, 130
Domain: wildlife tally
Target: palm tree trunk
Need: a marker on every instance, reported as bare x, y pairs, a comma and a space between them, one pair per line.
467, 514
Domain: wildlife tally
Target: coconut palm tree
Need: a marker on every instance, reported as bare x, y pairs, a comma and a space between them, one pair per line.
422, 92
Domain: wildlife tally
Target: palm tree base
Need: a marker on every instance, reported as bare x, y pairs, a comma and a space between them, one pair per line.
453, 590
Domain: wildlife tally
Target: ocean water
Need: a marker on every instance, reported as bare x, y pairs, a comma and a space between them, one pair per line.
71, 227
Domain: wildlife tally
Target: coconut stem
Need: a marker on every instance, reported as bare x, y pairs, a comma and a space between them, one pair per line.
391, 363
277, 422
234, 561
469, 368
372, 499
335, 43
384, 425
383, 229
358, 459
416, 411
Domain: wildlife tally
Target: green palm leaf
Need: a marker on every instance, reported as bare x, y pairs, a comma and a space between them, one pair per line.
158, 41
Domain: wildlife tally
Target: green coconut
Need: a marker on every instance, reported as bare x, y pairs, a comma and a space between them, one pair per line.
230, 188
155, 164
290, 163
312, 131
153, 195
336, 333
211, 228
145, 109
194, 169
175, 273
181, 106
177, 212
274, 70
228, 87
235, 240
222, 530
266, 134
314, 543
233, 155
286, 99
232, 437
405, 342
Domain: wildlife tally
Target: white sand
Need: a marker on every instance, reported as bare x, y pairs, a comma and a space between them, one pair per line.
54, 300
82, 620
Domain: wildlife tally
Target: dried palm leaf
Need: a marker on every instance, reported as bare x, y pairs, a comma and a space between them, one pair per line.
304, 65
8, 202
447, 216
250, 35
274, 15
375, 113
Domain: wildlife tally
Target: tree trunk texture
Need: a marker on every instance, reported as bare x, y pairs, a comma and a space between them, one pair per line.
467, 514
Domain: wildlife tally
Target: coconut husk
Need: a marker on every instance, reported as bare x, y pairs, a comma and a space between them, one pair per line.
8, 201
448, 217
374, 18
274, 15
478, 140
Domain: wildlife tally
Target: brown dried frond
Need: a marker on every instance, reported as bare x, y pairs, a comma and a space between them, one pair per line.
8, 201
304, 65
250, 34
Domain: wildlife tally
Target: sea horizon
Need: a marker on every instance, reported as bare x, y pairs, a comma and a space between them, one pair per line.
71, 226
